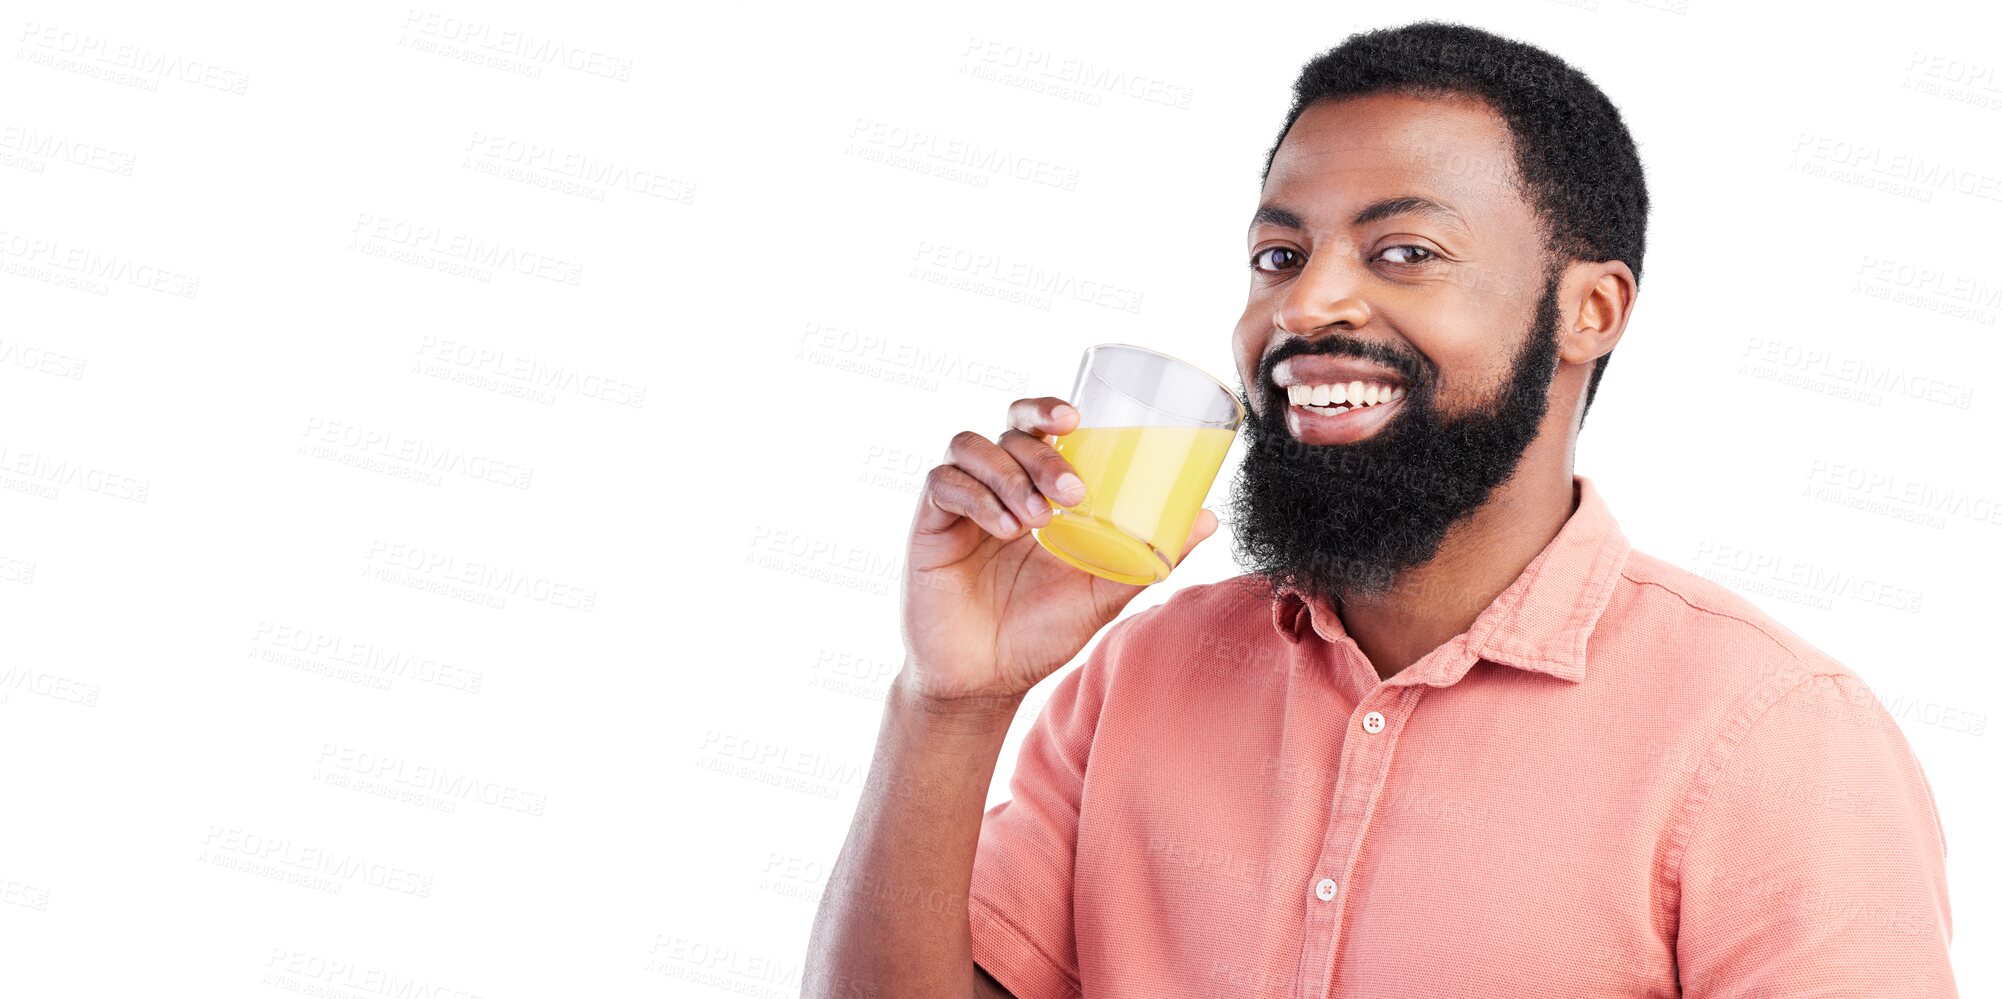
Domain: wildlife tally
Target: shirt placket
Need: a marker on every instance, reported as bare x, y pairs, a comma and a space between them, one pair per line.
1373, 729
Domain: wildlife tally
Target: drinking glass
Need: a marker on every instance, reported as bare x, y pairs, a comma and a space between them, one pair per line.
1151, 435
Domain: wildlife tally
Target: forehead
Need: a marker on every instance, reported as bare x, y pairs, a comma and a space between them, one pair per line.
1457, 150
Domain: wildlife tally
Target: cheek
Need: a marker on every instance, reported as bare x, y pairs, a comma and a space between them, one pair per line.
1468, 375
1456, 352
1249, 323
1247, 351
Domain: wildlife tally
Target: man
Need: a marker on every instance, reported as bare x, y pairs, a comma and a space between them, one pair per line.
1451, 735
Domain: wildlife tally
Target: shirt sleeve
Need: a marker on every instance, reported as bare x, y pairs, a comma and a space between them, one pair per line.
1019, 905
1815, 864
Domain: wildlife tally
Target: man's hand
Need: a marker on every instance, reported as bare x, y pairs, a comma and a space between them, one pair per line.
987, 613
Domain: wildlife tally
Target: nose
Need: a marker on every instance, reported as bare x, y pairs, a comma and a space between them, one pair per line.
1328, 293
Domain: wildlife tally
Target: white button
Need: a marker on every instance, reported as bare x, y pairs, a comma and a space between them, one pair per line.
1325, 891
1373, 722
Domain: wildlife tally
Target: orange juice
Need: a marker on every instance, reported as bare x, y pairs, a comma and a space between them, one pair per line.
1143, 489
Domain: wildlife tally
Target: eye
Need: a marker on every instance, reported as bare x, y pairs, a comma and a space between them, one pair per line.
1428, 255
1256, 256
1413, 256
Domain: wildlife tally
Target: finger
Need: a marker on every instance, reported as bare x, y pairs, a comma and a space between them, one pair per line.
1001, 473
1053, 477
1043, 415
951, 494
1205, 525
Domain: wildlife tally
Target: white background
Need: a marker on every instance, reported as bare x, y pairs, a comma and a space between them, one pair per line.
542, 611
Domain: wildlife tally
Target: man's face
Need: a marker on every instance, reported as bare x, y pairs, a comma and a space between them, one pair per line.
1454, 314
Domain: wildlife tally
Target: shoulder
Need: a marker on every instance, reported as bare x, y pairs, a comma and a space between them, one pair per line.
1761, 706
1706, 667
1673, 619
1224, 600
1202, 617
1206, 632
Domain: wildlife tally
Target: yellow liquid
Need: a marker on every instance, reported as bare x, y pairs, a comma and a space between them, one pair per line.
1143, 489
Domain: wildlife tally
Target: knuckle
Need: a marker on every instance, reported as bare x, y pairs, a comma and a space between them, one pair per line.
946, 482
1051, 464
1014, 471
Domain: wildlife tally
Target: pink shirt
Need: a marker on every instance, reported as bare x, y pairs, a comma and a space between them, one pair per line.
1622, 780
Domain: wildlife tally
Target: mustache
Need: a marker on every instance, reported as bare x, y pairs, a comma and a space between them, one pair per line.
1416, 373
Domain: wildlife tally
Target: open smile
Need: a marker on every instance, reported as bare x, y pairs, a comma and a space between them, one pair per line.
1342, 422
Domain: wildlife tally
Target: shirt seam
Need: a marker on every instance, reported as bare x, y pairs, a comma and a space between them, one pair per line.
1075, 987
1714, 612
1727, 745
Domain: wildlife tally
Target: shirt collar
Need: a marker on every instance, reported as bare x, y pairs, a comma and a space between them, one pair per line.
1540, 622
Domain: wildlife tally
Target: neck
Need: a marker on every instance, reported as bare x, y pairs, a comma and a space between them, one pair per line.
1479, 557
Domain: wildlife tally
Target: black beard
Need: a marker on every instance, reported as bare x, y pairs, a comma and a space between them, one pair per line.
1345, 520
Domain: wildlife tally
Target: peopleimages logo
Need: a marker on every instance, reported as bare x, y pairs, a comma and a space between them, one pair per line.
486, 577
22, 679
26, 255
522, 50
455, 252
308, 648
342, 439
280, 858
93, 55
31, 471
48, 146
535, 377
435, 779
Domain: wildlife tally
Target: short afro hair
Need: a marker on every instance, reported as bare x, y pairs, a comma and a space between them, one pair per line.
1573, 153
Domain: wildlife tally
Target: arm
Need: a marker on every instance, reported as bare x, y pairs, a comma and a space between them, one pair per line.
893, 921
1815, 863
987, 614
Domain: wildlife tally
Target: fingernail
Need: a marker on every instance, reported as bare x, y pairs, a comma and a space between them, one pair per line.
1070, 488
1062, 410
1008, 524
1038, 505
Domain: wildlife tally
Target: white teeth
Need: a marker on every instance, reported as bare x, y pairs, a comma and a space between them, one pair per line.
1354, 394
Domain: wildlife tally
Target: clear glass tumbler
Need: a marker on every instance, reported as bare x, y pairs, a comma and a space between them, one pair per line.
1152, 434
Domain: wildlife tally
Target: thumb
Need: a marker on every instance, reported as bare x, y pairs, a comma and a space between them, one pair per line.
1205, 525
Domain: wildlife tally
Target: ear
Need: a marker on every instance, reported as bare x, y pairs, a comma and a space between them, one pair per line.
1605, 295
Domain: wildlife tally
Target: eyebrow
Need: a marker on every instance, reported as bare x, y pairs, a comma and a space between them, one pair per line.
1410, 204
